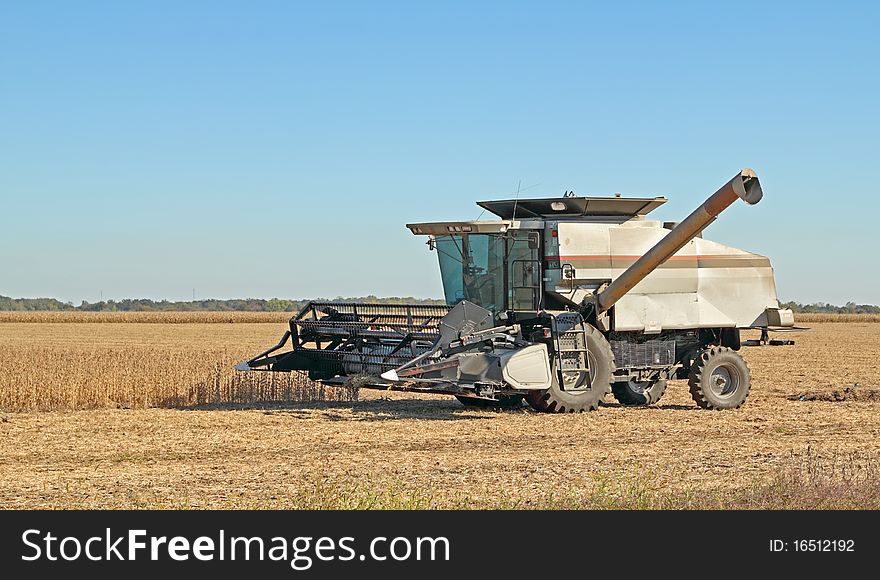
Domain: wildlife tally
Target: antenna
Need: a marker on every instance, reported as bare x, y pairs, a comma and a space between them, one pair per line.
516, 199
518, 190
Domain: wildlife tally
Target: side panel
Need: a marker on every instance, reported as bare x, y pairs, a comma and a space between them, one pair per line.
527, 368
587, 249
704, 285
667, 298
741, 285
578, 260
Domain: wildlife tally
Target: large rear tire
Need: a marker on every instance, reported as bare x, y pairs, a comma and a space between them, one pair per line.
580, 391
638, 393
719, 379
503, 402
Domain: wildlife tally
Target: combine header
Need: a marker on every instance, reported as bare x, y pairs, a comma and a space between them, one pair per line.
337, 339
558, 302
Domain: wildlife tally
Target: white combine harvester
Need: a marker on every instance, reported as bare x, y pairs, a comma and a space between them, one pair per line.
559, 302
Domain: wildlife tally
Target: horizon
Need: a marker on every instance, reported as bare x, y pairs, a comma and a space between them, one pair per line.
345, 298
277, 149
214, 298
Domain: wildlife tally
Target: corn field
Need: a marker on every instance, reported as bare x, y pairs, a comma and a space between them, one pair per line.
47, 379
822, 317
159, 317
92, 366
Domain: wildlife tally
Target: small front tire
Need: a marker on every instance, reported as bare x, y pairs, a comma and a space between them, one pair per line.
719, 379
633, 393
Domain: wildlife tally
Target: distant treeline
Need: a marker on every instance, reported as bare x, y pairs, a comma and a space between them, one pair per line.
147, 305
7, 303
825, 308
283, 305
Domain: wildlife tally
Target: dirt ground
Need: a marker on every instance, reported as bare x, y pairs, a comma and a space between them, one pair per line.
432, 447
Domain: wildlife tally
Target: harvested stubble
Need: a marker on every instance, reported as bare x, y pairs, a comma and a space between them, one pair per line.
409, 451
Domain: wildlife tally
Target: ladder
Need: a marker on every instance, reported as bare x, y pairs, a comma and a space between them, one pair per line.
570, 342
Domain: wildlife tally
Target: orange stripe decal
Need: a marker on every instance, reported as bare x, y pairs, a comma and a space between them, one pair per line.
634, 258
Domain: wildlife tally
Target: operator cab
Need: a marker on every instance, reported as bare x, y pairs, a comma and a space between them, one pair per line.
496, 265
499, 264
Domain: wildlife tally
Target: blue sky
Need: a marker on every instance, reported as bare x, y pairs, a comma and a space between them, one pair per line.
261, 149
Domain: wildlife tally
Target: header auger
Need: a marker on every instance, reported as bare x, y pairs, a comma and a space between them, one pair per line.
558, 302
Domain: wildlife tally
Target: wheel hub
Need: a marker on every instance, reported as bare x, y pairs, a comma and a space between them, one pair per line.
724, 381
638, 386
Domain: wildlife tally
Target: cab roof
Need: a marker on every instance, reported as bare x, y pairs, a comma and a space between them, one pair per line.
562, 207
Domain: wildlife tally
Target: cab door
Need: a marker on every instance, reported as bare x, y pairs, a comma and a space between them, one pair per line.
524, 288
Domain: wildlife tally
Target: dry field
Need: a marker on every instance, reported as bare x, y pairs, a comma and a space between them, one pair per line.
158, 317
809, 435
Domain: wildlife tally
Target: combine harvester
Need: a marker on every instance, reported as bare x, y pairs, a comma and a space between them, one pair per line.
558, 302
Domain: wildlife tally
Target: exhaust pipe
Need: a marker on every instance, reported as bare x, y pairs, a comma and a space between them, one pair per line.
744, 185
